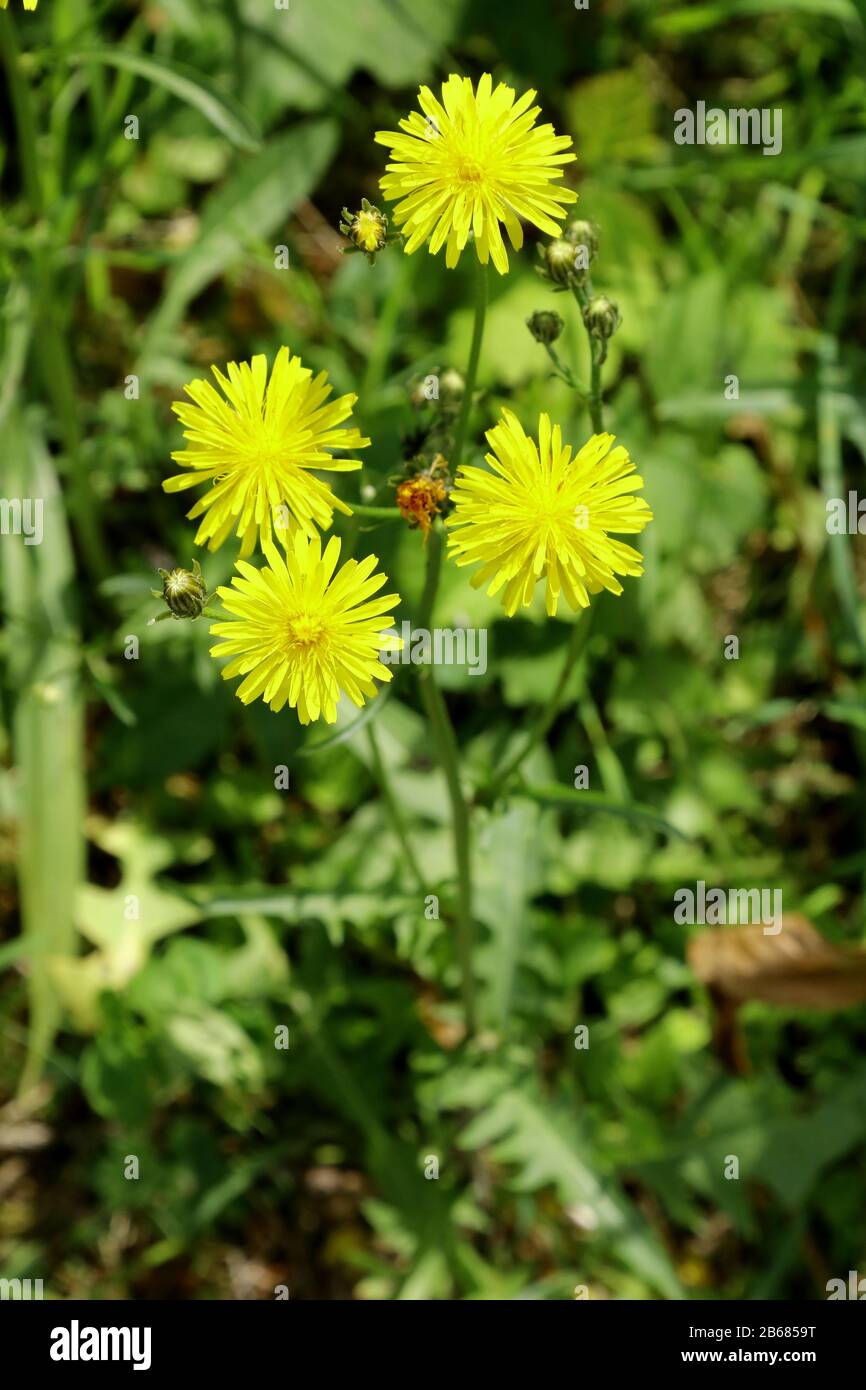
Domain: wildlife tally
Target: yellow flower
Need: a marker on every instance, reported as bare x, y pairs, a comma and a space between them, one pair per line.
28, 4
477, 160
540, 512
302, 634
257, 446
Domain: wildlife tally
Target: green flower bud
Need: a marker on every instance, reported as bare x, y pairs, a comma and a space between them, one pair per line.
559, 261
184, 591
545, 326
367, 229
602, 317
451, 387
583, 234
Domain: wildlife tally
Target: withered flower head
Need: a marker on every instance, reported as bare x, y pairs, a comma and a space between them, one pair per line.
421, 497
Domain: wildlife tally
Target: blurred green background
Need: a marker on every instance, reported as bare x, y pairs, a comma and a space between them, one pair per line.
166, 909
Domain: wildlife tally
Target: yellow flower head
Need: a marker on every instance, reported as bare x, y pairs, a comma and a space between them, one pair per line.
302, 634
257, 447
478, 159
28, 4
540, 512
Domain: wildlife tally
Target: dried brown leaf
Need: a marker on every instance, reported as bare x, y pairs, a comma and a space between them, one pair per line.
796, 967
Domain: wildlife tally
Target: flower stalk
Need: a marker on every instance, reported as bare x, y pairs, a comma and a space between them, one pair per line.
448, 754
472, 368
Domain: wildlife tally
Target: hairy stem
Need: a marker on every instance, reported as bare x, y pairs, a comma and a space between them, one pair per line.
596, 409
598, 352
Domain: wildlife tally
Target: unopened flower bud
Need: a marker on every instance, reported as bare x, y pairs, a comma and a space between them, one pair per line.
602, 317
184, 591
559, 261
583, 234
451, 387
545, 326
367, 229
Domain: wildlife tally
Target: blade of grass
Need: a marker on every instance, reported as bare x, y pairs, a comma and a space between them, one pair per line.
47, 732
224, 113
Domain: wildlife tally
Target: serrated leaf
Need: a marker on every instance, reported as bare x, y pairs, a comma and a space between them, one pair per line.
547, 1146
509, 870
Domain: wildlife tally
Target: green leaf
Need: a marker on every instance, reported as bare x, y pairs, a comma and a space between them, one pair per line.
547, 1145
693, 19
48, 728
222, 111
335, 911
216, 1047
612, 116
123, 923
552, 794
508, 873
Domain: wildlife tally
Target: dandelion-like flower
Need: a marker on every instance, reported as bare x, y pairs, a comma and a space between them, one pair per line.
470, 162
257, 444
541, 513
303, 632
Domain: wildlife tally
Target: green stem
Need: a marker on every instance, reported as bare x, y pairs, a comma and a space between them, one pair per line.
23, 112
381, 513
449, 758
564, 372
394, 810
235, 20
597, 352
576, 643
472, 367
596, 409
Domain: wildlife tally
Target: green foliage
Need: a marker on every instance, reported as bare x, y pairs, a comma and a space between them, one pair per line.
242, 985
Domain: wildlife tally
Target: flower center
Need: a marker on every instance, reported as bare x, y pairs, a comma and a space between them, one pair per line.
305, 630
468, 170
